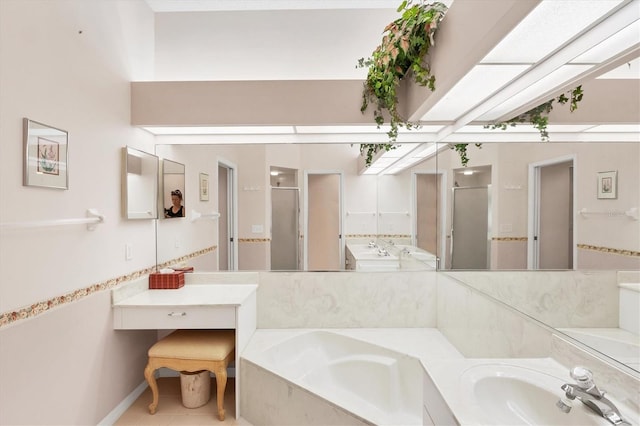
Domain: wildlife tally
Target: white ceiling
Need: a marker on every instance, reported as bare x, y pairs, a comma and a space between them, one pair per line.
559, 42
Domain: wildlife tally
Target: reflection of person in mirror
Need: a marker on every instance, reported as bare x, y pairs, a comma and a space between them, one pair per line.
176, 209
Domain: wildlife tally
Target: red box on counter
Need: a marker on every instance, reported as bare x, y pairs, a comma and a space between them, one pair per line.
172, 280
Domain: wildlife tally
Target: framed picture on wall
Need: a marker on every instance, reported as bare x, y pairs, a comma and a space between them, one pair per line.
204, 187
608, 185
46, 160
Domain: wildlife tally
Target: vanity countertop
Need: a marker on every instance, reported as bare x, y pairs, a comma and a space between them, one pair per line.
191, 295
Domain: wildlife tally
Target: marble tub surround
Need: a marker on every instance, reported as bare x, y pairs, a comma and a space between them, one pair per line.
270, 400
566, 299
292, 383
482, 327
346, 300
619, 380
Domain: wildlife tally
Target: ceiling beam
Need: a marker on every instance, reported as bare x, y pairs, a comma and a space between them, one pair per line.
469, 31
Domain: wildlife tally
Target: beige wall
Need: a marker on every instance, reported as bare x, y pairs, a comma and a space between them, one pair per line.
68, 64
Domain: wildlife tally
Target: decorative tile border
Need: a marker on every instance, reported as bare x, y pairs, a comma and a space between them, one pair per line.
38, 308
509, 238
254, 240
621, 252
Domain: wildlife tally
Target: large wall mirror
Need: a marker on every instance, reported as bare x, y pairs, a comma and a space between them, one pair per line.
139, 184
429, 205
518, 206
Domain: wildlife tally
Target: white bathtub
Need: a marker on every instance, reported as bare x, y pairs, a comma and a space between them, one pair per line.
377, 384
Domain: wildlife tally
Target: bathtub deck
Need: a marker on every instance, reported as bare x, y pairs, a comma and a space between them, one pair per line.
422, 343
352, 404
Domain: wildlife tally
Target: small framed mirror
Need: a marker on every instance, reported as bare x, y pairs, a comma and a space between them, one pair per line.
139, 184
173, 190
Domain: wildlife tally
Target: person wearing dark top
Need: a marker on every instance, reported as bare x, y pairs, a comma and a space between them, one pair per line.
176, 209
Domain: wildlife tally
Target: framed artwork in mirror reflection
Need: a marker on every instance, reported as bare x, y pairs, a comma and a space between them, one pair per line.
46, 160
608, 185
204, 187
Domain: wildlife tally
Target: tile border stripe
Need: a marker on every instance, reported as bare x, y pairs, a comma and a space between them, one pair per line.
38, 308
621, 252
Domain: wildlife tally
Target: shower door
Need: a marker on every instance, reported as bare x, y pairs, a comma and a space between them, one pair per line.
284, 229
470, 232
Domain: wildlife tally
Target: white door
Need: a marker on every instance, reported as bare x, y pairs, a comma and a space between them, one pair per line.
550, 239
227, 223
323, 221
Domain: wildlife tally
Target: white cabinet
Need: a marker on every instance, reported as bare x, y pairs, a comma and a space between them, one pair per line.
173, 317
194, 306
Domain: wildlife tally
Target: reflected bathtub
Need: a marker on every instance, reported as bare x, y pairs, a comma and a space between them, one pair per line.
377, 384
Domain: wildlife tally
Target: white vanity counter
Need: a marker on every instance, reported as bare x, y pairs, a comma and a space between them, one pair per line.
192, 295
198, 305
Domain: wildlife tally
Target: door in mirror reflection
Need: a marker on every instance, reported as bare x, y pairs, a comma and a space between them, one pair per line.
553, 235
284, 229
324, 224
428, 186
227, 221
470, 233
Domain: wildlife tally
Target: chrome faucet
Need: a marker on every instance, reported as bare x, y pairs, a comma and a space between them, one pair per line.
586, 391
372, 244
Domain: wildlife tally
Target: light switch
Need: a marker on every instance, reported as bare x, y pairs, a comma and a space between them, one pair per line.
128, 252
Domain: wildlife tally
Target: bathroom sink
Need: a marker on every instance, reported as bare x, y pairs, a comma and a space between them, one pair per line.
514, 395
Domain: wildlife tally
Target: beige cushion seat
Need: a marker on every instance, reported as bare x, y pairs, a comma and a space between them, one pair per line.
192, 350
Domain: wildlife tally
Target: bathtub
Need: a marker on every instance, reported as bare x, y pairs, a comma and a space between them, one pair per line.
376, 384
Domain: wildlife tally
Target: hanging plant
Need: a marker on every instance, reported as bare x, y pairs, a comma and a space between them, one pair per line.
405, 44
461, 149
369, 150
539, 116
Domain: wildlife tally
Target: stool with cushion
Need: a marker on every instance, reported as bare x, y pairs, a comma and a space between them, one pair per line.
192, 350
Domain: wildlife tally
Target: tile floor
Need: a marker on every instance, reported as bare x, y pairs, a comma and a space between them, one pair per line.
171, 411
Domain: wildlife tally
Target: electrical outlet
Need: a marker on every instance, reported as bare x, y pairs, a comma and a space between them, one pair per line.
257, 229
128, 252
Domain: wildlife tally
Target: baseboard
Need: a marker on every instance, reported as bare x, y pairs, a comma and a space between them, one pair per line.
119, 410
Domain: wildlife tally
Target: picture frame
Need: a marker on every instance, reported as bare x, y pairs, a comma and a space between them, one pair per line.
608, 185
204, 187
46, 155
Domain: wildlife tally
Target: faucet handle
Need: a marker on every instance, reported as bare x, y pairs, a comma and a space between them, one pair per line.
583, 376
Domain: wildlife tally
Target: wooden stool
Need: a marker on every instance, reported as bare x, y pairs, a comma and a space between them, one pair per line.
192, 350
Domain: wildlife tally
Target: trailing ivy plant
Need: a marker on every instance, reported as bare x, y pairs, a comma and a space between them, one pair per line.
461, 149
538, 116
405, 44
369, 150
